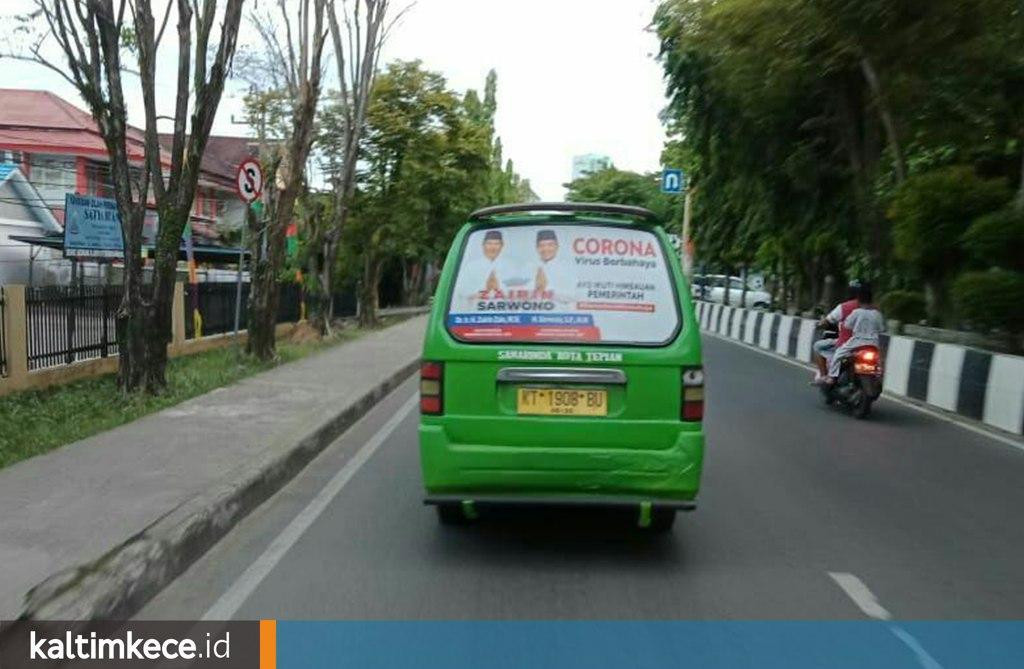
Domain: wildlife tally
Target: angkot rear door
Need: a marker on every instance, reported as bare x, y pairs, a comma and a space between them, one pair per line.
566, 327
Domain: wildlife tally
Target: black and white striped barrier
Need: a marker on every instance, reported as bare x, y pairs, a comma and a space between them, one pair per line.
987, 387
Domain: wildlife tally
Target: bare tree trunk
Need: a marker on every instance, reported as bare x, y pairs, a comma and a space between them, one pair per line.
783, 299
419, 270
370, 290
412, 273
324, 314
158, 321
366, 33
305, 87
322, 302
1020, 190
886, 116
131, 336
265, 295
815, 284
743, 288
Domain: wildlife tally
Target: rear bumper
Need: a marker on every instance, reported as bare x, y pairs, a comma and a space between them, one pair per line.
561, 472
547, 501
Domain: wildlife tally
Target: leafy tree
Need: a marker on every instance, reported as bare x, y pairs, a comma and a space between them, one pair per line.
428, 161
930, 213
412, 123
990, 300
997, 240
800, 120
621, 187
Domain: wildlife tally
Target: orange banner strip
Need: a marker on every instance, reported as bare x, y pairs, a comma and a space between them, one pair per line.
268, 644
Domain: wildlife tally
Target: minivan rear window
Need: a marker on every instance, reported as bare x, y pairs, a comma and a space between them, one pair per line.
563, 284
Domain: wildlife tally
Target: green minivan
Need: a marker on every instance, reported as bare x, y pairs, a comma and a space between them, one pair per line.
562, 366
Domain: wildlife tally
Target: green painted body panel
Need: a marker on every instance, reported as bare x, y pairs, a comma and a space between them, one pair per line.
640, 449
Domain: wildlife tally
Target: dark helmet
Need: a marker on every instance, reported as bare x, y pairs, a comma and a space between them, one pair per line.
853, 289
864, 293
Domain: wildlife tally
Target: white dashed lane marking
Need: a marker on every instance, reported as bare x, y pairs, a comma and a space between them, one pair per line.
867, 602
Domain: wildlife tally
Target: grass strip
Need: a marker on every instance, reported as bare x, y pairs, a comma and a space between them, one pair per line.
36, 421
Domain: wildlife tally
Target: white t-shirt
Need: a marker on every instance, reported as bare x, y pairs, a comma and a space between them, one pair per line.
866, 324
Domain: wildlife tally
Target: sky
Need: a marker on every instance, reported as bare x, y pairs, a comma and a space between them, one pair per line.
574, 77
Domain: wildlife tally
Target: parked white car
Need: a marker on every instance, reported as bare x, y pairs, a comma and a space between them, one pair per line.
711, 287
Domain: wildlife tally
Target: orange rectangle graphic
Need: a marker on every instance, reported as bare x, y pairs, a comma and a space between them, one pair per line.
268, 644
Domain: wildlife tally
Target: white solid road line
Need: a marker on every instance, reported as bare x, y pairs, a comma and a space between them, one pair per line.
861, 595
232, 600
866, 601
1010, 441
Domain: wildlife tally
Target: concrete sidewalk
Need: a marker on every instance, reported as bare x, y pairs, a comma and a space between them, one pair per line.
73, 505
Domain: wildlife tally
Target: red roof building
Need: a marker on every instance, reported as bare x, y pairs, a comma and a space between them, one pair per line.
60, 150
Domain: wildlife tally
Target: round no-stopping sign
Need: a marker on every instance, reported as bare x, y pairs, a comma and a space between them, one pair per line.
249, 180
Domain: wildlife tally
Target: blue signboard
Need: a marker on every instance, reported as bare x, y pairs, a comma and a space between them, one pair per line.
673, 181
92, 227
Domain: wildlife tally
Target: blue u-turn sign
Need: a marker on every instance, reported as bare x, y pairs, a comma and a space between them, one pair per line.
673, 181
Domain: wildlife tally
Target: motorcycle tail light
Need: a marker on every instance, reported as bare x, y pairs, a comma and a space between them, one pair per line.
867, 362
692, 409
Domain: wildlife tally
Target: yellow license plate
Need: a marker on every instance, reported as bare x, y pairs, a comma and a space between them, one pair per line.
562, 402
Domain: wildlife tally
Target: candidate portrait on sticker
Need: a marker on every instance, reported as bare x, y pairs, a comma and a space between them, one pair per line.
553, 274
488, 267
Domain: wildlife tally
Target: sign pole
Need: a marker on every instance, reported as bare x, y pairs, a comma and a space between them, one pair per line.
249, 184
674, 182
241, 262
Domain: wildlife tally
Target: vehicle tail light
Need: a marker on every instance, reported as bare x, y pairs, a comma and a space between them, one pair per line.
866, 361
693, 395
431, 383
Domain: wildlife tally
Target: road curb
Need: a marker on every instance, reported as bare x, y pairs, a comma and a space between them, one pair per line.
117, 585
977, 427
979, 387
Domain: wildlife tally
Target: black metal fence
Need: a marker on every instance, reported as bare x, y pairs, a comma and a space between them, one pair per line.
3, 335
345, 303
69, 323
289, 307
216, 305
65, 324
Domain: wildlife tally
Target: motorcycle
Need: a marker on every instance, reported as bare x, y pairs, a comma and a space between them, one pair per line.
859, 383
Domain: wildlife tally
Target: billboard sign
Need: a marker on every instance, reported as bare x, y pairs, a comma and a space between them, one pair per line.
92, 227
558, 283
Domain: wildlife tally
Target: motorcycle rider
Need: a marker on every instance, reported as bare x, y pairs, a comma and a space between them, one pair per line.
865, 324
825, 348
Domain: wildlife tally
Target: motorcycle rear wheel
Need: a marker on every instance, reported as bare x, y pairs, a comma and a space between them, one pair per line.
862, 407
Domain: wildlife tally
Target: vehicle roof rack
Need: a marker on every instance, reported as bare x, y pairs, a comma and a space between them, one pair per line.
572, 207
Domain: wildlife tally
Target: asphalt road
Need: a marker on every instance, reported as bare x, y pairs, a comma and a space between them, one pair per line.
805, 513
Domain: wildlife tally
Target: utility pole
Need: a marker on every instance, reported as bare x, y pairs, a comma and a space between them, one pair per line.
687, 243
